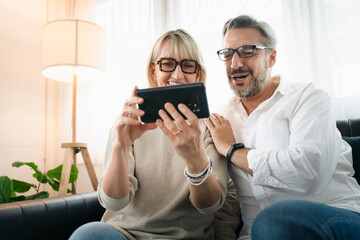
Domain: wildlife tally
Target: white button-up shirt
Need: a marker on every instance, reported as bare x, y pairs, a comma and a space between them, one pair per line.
296, 152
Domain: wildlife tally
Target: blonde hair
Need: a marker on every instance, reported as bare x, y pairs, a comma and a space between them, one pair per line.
180, 41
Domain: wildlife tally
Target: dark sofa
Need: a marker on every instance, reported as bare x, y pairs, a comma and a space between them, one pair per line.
57, 218
350, 131
51, 218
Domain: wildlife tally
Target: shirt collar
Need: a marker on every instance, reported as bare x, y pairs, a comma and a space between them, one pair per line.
284, 87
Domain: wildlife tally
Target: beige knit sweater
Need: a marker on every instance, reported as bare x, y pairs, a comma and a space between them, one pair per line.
158, 205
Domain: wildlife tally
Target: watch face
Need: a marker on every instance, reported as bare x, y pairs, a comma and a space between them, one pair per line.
239, 145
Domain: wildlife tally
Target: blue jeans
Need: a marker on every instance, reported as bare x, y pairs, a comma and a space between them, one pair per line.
296, 219
97, 230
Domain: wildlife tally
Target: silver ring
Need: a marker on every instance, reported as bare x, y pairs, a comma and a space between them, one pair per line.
177, 132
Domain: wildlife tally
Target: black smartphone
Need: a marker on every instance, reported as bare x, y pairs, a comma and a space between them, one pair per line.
193, 95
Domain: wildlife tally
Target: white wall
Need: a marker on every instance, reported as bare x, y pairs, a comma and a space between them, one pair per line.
24, 112
21, 86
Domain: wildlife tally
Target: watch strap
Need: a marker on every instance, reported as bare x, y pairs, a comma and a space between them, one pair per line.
232, 149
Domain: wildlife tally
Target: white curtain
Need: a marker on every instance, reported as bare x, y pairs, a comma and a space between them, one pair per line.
321, 46
317, 42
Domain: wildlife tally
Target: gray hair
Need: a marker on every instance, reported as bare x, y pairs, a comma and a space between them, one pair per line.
244, 21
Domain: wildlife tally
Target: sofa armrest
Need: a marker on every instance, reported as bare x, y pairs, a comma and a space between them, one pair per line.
354, 142
349, 128
350, 132
51, 218
354, 125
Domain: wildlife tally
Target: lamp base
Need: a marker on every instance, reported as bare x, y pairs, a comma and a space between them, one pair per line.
70, 150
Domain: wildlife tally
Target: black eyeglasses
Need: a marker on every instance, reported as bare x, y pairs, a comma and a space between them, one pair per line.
169, 64
245, 51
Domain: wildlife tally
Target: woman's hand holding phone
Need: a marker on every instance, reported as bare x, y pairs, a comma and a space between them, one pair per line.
128, 126
185, 135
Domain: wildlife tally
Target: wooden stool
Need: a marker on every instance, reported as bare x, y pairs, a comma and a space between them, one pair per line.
70, 156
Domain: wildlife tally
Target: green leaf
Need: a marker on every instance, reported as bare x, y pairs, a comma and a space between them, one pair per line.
74, 174
56, 173
30, 164
38, 174
40, 177
21, 187
49, 179
17, 198
39, 195
56, 186
6, 188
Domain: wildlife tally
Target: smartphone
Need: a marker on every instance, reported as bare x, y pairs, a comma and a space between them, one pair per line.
193, 95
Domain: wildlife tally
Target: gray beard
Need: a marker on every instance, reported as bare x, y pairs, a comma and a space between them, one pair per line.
253, 89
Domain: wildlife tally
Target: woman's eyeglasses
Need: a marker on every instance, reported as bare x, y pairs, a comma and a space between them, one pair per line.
169, 65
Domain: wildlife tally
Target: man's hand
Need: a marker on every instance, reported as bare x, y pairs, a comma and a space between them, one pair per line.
221, 132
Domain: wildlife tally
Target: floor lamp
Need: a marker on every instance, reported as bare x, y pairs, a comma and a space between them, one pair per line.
74, 50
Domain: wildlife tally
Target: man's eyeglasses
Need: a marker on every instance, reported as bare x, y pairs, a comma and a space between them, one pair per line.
169, 64
245, 51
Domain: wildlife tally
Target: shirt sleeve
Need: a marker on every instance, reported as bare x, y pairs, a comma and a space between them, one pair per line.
106, 201
307, 164
212, 209
110, 203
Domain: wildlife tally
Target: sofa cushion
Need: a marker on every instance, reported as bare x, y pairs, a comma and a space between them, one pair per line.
354, 142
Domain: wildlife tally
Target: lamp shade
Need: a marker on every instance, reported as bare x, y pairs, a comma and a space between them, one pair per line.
73, 47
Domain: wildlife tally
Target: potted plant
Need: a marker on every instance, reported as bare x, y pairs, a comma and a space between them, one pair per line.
10, 188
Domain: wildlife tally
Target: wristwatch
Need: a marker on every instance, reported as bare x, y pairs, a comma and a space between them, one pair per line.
232, 149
